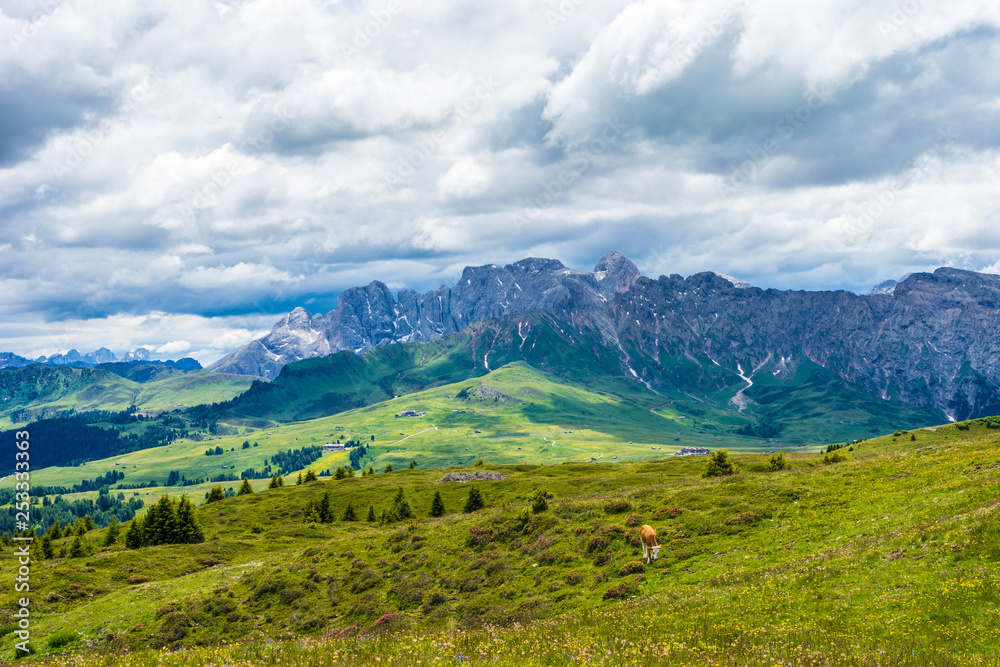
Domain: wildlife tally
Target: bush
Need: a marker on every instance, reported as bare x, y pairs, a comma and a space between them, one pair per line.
62, 638
667, 513
777, 462
617, 506
719, 464
834, 457
620, 592
633, 567
633, 520
539, 502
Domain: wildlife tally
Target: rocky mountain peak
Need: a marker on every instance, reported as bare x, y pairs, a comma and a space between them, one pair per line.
616, 273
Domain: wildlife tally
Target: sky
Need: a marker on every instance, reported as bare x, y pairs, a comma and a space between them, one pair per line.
178, 174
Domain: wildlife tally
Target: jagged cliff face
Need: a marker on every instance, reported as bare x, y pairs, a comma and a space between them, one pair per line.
367, 317
931, 342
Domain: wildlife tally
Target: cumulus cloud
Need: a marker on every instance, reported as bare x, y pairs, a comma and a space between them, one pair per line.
214, 165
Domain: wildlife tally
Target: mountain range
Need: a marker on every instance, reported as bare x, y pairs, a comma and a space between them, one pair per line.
929, 340
93, 359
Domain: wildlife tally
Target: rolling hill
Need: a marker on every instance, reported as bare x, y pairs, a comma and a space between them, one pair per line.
886, 557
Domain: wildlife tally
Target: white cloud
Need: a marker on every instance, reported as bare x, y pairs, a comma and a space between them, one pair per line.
167, 166
174, 347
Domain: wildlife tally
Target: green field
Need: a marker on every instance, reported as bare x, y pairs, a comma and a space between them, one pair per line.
887, 558
38, 391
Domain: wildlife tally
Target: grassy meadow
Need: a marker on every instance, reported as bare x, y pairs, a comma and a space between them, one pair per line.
886, 558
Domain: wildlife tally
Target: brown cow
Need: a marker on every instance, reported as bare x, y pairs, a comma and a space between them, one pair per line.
650, 547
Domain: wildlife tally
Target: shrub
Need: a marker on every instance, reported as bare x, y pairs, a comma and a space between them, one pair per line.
573, 578
138, 579
834, 457
216, 494
633, 520
617, 506
964, 426
719, 464
744, 518
539, 502
633, 567
667, 513
620, 592
62, 638
777, 462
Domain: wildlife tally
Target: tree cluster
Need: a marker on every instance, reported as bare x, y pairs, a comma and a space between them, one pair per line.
166, 522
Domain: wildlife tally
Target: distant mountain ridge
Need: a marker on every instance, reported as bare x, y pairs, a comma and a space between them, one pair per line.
96, 358
930, 342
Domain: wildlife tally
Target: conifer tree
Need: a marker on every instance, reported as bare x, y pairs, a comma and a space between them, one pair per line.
719, 464
55, 530
48, 552
281, 480
349, 471
77, 550
323, 510
371, 470
216, 494
339, 474
474, 501
245, 488
437, 505
188, 529
401, 509
88, 521
298, 481
371, 514
349, 513
274, 482
134, 537
388, 467
413, 464
79, 527
114, 532
311, 475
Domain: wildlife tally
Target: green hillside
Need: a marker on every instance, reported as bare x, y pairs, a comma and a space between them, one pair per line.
886, 558
38, 391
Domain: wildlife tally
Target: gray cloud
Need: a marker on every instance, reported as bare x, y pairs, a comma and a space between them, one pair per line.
187, 174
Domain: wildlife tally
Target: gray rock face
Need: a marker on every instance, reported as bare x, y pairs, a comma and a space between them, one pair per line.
932, 341
367, 317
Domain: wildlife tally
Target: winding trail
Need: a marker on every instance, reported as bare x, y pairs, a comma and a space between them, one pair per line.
432, 428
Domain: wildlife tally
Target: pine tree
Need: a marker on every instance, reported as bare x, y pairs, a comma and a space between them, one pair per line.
114, 532
88, 521
340, 474
55, 530
324, 511
216, 494
298, 481
245, 488
349, 513
474, 501
719, 464
47, 551
281, 480
274, 482
388, 467
134, 538
349, 471
79, 527
77, 550
437, 505
371, 470
401, 509
413, 464
188, 529
310, 475
777, 462
371, 514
